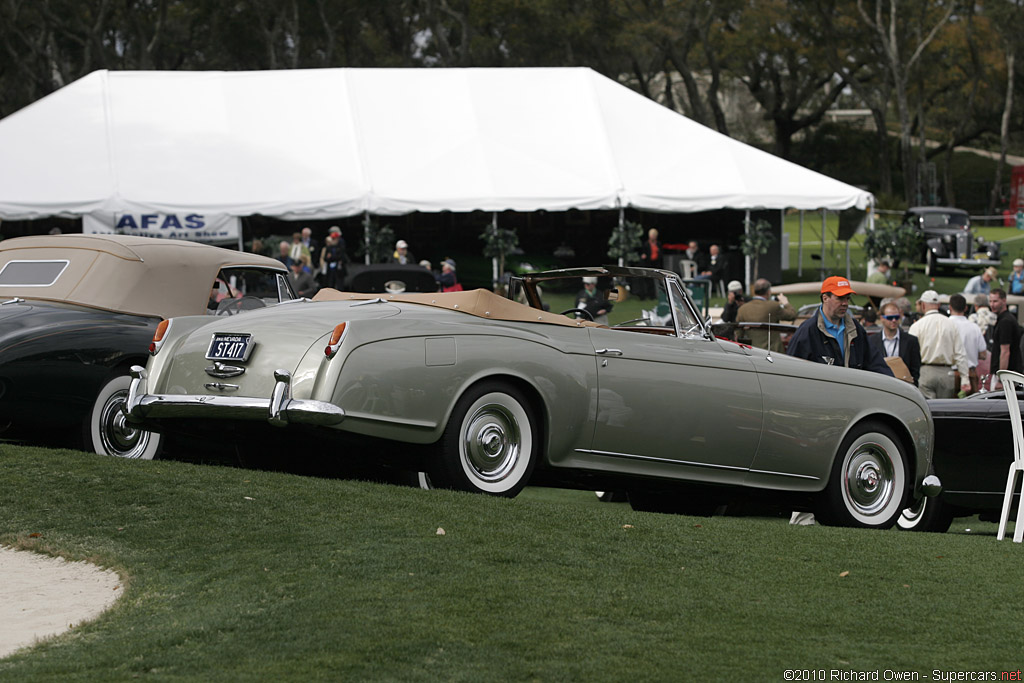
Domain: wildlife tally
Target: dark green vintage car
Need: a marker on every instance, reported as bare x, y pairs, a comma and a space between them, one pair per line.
487, 393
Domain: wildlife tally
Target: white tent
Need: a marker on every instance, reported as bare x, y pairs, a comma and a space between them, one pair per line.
331, 143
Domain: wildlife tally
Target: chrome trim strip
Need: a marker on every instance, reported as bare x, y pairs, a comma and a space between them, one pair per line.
221, 385
367, 302
279, 409
15, 300
666, 460
786, 474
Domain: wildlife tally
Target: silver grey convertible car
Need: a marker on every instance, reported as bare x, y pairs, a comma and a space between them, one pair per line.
487, 393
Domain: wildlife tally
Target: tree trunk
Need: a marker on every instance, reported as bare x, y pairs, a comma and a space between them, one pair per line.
1004, 131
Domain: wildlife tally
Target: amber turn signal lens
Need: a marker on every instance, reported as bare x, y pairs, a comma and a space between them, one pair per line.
158, 336
332, 346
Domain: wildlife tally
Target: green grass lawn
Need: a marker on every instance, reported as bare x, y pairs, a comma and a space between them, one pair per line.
234, 574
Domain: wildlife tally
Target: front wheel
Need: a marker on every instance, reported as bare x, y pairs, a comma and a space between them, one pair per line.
108, 433
490, 445
868, 481
930, 514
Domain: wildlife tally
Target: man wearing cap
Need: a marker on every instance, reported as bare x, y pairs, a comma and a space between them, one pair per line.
832, 336
402, 253
734, 299
982, 284
1005, 334
941, 349
762, 309
593, 301
1017, 277
447, 278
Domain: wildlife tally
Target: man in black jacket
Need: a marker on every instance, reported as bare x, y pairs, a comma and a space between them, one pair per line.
833, 337
896, 342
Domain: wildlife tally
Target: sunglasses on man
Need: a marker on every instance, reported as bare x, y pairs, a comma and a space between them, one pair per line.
891, 317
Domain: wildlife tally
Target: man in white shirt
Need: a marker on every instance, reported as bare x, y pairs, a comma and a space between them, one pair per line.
974, 341
941, 348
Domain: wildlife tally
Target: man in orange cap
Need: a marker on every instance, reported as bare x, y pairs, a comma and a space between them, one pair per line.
833, 337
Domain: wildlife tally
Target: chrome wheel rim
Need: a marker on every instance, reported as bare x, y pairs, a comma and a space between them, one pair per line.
869, 479
491, 442
117, 437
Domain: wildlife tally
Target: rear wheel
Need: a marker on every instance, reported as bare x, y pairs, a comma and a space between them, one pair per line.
930, 514
491, 443
108, 433
868, 481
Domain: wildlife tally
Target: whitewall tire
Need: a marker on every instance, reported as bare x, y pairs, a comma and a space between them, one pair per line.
108, 433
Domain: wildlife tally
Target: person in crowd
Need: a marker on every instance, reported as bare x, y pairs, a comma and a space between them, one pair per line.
593, 301
832, 335
764, 308
894, 342
734, 299
302, 281
402, 253
941, 349
447, 279
334, 259
285, 253
880, 275
869, 320
985, 319
975, 346
311, 247
982, 284
714, 266
650, 257
297, 249
1016, 279
1006, 335
693, 253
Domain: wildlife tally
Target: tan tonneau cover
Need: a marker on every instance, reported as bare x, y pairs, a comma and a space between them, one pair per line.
482, 303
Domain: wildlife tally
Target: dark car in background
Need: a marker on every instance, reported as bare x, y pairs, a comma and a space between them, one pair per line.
973, 452
949, 241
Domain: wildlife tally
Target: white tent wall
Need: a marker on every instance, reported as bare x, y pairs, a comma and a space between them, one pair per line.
323, 143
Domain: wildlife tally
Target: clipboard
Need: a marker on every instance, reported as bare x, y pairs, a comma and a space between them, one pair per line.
899, 368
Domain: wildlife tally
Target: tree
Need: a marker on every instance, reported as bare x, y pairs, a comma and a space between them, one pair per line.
893, 241
757, 241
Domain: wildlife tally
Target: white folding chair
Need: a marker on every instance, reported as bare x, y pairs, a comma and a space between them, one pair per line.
687, 268
1012, 382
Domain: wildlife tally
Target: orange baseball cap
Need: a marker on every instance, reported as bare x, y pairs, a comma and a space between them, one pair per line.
839, 286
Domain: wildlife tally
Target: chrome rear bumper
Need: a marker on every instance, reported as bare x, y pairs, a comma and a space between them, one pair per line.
279, 410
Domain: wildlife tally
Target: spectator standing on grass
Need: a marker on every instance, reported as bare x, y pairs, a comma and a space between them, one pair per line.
763, 309
832, 336
734, 299
896, 342
302, 282
333, 259
447, 279
284, 255
402, 253
982, 284
311, 248
985, 319
1016, 279
975, 346
298, 249
1006, 334
941, 350
880, 276
869, 320
650, 257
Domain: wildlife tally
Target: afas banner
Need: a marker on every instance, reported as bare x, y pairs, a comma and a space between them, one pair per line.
192, 226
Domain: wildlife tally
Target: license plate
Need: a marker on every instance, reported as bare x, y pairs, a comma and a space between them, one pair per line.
235, 347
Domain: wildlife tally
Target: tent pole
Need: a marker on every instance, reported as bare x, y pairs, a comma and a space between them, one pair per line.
800, 248
494, 259
848, 260
622, 230
746, 258
824, 229
241, 229
366, 236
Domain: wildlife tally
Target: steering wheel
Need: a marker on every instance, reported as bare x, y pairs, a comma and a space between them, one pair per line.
579, 311
233, 306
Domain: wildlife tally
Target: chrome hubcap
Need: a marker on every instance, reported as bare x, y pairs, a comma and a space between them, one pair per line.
869, 479
491, 442
117, 436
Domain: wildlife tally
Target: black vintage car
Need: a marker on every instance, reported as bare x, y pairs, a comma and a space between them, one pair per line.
973, 452
949, 241
77, 311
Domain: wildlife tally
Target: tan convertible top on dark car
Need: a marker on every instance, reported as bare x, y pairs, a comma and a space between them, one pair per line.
137, 275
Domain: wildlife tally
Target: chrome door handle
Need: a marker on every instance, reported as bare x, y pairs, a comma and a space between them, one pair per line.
609, 352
